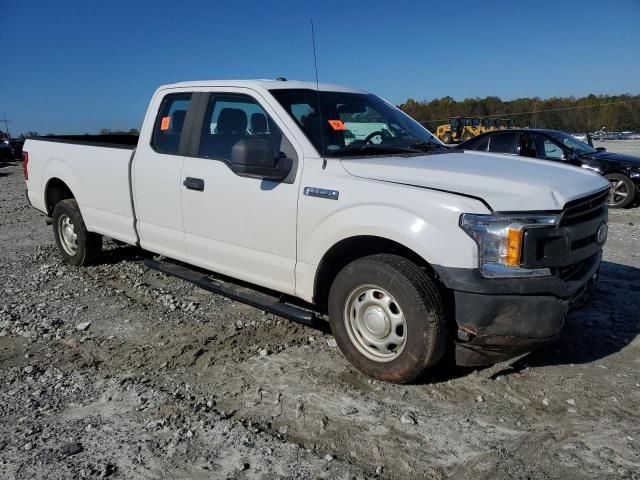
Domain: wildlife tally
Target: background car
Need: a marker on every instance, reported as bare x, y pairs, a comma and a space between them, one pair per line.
6, 152
623, 171
16, 144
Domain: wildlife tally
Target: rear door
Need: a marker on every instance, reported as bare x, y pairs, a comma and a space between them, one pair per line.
504, 142
156, 173
238, 226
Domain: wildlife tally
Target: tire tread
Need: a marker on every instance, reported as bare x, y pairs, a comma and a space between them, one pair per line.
424, 292
89, 245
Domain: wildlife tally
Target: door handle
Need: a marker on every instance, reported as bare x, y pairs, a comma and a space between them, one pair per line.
194, 183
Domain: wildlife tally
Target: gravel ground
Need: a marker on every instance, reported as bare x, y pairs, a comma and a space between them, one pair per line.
121, 372
630, 147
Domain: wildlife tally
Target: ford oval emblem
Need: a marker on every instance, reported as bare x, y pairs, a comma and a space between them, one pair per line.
601, 235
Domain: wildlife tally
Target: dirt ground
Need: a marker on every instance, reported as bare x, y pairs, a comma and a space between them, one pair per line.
121, 372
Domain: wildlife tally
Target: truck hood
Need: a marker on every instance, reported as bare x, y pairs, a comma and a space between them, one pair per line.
504, 182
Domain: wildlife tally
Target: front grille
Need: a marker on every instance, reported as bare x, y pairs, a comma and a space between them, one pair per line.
584, 209
574, 241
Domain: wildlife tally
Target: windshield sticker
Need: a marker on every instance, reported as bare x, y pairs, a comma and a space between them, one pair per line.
337, 125
164, 125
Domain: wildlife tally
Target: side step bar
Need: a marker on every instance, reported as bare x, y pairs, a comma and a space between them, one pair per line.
262, 302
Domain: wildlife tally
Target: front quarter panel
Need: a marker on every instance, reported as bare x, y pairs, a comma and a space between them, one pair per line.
423, 220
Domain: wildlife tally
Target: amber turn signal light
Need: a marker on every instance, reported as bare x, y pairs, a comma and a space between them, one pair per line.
514, 246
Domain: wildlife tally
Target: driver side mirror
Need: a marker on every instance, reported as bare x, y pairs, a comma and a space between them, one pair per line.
601, 149
254, 158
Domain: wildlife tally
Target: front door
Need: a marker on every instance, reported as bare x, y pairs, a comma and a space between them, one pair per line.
238, 226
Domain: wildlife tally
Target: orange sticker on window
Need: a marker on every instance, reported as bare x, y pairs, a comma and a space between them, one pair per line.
337, 125
164, 125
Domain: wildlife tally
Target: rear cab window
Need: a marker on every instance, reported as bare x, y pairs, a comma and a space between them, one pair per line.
167, 131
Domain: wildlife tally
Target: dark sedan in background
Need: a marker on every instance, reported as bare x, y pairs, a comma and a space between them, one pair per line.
6, 151
11, 149
16, 145
623, 171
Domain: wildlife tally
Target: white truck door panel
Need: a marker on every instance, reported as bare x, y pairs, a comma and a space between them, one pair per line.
157, 178
158, 208
243, 227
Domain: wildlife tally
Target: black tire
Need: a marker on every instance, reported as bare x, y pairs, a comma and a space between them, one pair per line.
624, 186
420, 302
446, 138
467, 136
88, 245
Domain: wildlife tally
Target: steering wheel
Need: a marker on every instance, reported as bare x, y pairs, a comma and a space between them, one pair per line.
368, 138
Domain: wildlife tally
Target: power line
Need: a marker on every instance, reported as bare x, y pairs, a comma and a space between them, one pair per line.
6, 124
541, 111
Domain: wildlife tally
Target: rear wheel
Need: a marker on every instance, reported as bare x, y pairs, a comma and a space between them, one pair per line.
467, 136
622, 192
387, 316
77, 246
446, 138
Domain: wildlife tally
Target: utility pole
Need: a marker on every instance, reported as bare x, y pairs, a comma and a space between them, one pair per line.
6, 125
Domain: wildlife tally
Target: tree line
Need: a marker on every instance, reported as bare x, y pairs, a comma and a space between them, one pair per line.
571, 114
584, 114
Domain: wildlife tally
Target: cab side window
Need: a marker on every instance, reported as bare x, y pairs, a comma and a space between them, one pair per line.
230, 118
170, 122
507, 142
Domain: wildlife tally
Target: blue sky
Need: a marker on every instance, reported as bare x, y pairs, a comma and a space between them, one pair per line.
78, 66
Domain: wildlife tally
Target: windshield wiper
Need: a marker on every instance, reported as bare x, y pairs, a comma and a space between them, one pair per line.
427, 146
374, 149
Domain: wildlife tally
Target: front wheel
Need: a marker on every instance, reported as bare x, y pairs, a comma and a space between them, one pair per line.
622, 192
387, 316
77, 246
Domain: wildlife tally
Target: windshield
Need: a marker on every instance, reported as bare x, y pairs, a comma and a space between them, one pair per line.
354, 123
577, 146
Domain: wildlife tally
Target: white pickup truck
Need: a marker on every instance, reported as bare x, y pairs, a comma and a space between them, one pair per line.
330, 200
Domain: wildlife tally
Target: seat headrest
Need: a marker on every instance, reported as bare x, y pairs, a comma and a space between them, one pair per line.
258, 123
232, 121
177, 120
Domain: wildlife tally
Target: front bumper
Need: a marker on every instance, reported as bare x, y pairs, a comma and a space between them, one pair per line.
499, 319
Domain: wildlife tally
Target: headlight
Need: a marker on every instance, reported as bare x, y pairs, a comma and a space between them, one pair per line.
500, 242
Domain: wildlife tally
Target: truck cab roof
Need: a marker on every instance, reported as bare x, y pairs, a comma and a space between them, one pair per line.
268, 84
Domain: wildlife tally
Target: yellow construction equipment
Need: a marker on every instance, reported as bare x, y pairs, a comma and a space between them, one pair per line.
459, 129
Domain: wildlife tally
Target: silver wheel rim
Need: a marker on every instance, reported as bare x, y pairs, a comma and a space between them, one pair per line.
375, 323
68, 237
618, 192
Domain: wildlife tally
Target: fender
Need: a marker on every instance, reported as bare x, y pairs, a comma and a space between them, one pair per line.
434, 241
57, 168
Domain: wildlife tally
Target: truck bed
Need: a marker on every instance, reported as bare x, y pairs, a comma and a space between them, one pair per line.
111, 141
96, 169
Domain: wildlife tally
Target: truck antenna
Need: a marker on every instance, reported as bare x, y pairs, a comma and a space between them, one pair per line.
315, 64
